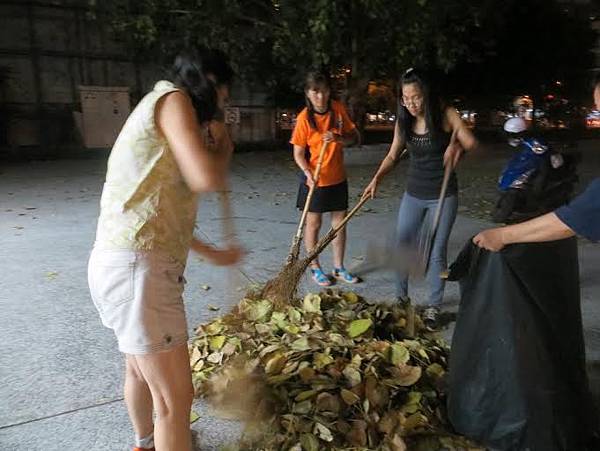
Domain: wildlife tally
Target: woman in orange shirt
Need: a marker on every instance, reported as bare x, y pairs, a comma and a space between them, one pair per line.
323, 121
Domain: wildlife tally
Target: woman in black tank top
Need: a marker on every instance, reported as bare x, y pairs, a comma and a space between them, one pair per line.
423, 128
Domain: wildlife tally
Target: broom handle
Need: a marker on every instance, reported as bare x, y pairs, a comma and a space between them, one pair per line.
352, 212
335, 230
447, 173
311, 191
438, 210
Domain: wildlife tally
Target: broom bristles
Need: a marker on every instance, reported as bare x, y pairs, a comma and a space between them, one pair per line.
282, 289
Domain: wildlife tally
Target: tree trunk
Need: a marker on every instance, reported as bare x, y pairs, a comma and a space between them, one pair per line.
357, 101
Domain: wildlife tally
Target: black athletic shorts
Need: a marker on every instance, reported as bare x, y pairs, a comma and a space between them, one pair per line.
325, 198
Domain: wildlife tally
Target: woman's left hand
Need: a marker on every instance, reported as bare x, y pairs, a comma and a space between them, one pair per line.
329, 137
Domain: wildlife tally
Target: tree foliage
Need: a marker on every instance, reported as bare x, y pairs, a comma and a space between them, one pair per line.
271, 39
524, 45
275, 42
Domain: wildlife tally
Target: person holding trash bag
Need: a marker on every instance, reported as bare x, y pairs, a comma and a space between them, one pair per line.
170, 149
424, 127
580, 217
517, 370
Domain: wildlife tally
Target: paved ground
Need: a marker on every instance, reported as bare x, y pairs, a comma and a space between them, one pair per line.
61, 373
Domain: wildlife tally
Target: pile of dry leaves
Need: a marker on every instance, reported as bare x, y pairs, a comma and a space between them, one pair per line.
329, 372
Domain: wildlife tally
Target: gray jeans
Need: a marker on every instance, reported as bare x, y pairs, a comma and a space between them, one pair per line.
412, 215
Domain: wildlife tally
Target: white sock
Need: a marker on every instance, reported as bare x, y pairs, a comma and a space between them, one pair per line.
145, 442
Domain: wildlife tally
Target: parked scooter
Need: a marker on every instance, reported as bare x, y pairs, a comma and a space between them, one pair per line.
536, 180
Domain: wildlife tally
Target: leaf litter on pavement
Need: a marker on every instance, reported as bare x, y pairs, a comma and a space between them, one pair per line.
327, 372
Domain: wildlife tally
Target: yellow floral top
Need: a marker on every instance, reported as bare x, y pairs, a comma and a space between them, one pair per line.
145, 204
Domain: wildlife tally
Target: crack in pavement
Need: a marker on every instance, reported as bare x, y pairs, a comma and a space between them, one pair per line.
270, 221
60, 414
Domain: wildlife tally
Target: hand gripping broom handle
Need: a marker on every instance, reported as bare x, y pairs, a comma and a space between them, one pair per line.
438, 211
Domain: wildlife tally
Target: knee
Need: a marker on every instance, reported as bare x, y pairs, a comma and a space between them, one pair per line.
337, 217
173, 400
313, 223
438, 258
405, 232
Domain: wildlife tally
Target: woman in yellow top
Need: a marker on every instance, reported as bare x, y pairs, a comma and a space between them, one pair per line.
323, 121
170, 149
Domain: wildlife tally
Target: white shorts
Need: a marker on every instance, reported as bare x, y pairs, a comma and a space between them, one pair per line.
139, 297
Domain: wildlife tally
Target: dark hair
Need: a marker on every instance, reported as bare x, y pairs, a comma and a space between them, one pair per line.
432, 104
316, 80
190, 71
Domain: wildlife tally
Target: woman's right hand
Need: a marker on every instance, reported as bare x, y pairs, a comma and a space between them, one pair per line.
491, 239
310, 181
371, 189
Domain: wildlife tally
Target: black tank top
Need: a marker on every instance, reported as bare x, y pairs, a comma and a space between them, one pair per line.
426, 167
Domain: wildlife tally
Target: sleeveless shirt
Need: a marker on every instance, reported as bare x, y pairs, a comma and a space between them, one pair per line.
426, 166
146, 205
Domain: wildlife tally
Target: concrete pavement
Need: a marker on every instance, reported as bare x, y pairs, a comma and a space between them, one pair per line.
60, 370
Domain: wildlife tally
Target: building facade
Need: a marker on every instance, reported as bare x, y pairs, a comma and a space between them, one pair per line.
60, 65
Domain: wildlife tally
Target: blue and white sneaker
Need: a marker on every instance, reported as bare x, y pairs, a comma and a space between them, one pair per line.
343, 275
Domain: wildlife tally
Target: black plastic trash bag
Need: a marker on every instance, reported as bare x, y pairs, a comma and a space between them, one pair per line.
517, 378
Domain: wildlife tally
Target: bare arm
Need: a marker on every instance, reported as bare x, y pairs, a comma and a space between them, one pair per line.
544, 228
388, 163
347, 139
202, 169
393, 155
220, 257
464, 136
300, 159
